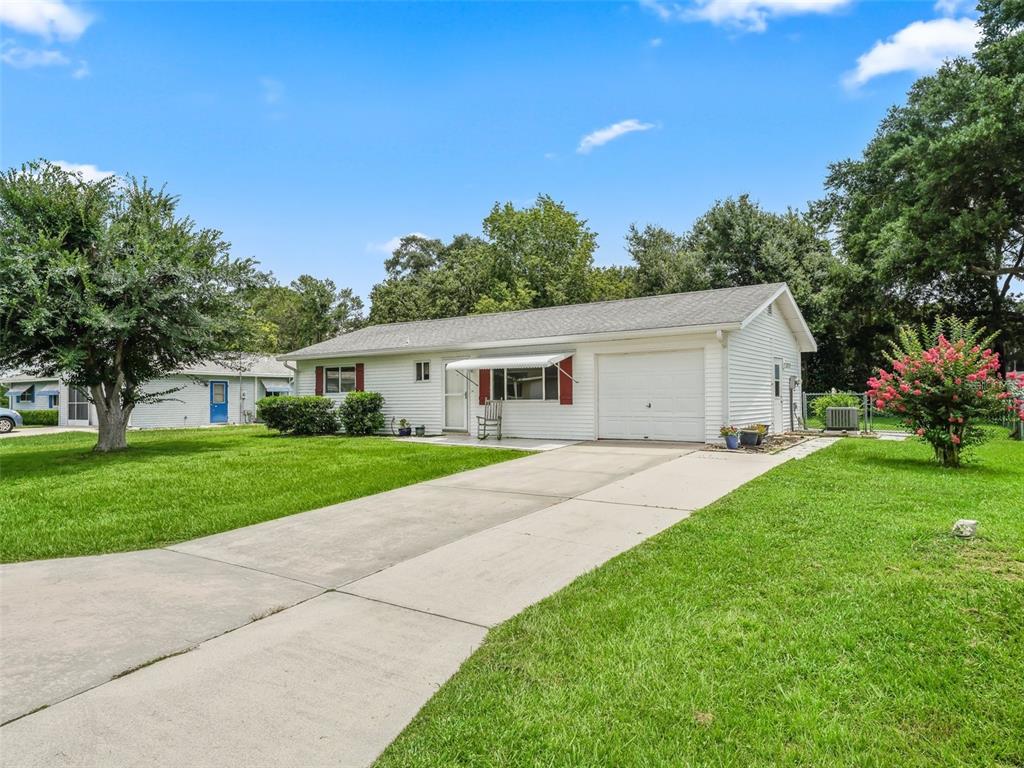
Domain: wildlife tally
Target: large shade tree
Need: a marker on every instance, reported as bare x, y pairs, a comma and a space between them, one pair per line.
104, 284
736, 242
932, 215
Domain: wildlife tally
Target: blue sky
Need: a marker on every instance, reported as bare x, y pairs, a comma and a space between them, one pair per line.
313, 134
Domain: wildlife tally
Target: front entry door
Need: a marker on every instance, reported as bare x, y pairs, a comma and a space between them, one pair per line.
456, 400
218, 402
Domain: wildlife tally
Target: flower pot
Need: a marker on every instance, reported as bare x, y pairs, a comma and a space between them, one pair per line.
404, 431
421, 431
732, 442
749, 438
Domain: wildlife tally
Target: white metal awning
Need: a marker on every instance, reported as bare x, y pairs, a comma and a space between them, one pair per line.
48, 389
512, 361
284, 388
18, 389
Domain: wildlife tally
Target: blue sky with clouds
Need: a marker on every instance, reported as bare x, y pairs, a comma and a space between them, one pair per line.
313, 134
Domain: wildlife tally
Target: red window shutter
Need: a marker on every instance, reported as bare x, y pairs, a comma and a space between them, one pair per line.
485, 385
565, 382
359, 377
319, 380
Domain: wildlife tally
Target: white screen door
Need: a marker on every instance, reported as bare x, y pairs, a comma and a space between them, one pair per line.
78, 407
456, 402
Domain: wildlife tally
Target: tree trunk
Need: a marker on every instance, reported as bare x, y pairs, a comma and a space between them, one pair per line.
113, 420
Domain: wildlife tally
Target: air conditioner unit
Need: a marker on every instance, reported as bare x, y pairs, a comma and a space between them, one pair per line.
842, 418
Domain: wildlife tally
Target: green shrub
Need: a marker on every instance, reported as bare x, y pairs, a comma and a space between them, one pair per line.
362, 413
307, 415
835, 400
39, 418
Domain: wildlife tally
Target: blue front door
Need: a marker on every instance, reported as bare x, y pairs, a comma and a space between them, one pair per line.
218, 402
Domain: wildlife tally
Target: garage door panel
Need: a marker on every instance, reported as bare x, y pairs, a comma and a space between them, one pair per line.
651, 396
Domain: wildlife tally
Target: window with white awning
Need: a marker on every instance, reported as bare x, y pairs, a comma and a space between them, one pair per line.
521, 377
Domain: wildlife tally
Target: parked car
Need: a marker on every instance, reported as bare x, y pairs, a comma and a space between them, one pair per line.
9, 419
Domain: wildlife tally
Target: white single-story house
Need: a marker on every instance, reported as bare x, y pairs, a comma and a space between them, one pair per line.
672, 367
208, 393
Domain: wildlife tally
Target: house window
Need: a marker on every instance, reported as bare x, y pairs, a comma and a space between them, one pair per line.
777, 379
423, 371
54, 401
271, 394
28, 396
340, 379
524, 383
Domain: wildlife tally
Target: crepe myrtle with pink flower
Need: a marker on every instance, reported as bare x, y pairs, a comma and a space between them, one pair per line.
944, 381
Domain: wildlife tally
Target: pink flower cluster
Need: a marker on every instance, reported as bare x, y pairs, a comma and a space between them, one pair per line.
938, 391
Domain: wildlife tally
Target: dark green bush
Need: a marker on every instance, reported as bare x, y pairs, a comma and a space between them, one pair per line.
307, 415
40, 418
362, 413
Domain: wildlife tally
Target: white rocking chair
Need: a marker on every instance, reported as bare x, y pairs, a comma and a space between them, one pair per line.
490, 420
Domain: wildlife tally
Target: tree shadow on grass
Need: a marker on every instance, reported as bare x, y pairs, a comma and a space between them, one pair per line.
971, 467
70, 460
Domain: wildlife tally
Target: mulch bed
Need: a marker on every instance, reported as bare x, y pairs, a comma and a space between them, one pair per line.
771, 444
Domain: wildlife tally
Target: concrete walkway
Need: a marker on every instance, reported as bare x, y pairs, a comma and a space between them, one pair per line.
35, 431
313, 639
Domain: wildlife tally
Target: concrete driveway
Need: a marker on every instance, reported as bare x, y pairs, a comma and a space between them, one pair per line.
313, 639
34, 431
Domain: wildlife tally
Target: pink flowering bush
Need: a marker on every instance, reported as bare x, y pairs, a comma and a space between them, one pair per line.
942, 383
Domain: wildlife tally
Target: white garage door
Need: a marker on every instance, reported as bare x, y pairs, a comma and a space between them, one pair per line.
651, 396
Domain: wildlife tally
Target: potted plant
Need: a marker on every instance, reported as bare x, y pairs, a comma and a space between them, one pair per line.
404, 428
753, 434
731, 438
421, 430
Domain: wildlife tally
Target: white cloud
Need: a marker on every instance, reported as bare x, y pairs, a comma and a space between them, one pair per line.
273, 90
748, 15
389, 246
47, 19
919, 47
28, 58
604, 135
953, 7
655, 42
81, 71
85, 170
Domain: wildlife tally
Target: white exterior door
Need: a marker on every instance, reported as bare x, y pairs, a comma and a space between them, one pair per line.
651, 396
456, 400
778, 395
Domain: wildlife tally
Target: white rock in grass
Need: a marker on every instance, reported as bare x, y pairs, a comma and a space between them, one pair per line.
965, 529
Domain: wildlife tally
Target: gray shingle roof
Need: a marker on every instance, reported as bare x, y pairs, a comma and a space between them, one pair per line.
723, 306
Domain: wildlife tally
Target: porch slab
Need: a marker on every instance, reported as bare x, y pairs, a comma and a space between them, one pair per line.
329, 682
68, 625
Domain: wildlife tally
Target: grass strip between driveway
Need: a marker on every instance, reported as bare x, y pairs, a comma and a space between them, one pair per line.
821, 615
58, 498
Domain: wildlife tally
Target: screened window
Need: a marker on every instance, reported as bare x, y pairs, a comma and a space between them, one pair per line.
423, 371
777, 379
340, 379
78, 404
524, 383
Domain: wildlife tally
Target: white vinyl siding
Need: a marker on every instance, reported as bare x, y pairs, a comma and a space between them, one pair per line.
394, 376
751, 353
420, 402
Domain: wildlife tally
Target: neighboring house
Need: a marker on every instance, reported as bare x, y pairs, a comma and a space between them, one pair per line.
672, 367
208, 393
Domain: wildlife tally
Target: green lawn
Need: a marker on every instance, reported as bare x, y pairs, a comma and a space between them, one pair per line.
821, 615
57, 498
